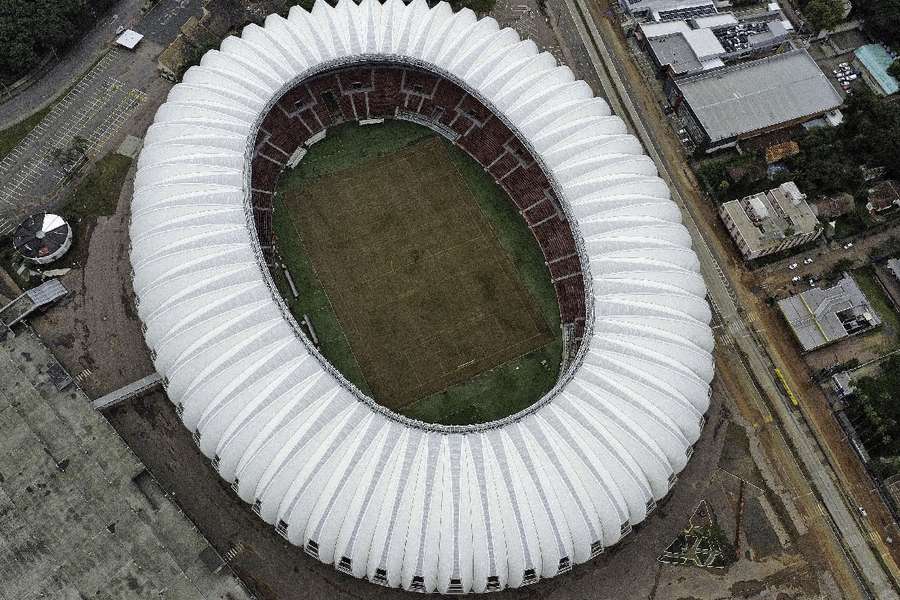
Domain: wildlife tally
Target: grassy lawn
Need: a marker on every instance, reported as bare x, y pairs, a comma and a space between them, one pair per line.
512, 385
514, 236
14, 134
98, 193
312, 300
865, 279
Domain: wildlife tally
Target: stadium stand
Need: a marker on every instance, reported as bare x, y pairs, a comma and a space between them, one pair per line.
353, 93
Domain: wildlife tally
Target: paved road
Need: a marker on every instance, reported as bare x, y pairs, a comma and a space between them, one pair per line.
722, 296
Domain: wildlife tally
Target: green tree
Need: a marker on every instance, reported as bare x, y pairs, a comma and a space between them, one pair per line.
478, 6
823, 14
882, 19
29, 29
894, 70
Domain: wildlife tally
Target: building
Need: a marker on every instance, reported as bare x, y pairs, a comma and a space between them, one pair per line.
769, 222
686, 52
404, 503
883, 197
829, 208
747, 38
722, 107
688, 47
669, 10
820, 317
842, 384
872, 61
893, 265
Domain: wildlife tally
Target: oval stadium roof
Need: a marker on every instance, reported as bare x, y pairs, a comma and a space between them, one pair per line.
380, 496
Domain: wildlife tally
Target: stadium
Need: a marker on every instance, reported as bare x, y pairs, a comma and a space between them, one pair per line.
402, 502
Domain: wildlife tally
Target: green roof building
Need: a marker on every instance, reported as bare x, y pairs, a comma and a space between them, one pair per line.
873, 61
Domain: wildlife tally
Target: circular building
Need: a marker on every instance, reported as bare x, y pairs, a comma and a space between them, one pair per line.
43, 238
426, 507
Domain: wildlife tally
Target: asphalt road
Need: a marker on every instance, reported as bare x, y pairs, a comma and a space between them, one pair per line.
722, 297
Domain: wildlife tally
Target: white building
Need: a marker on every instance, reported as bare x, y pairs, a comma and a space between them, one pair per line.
400, 502
770, 222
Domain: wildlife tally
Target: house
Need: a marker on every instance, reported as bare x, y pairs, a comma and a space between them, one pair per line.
884, 196
872, 61
819, 317
829, 208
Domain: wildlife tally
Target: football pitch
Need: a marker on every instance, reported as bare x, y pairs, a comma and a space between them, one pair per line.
422, 282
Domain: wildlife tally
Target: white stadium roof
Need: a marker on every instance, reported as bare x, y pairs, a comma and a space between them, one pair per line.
380, 496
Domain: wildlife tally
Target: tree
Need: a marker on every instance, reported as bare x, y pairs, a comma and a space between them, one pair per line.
894, 70
29, 29
882, 19
824, 14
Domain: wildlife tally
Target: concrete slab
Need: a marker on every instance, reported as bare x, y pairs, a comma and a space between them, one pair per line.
130, 146
74, 522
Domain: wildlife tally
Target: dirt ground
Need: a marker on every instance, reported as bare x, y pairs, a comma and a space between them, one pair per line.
424, 292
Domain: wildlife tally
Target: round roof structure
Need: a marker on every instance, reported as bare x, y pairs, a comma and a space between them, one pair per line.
404, 503
43, 238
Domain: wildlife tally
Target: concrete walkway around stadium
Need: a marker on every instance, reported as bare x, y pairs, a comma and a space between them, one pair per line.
722, 296
84, 517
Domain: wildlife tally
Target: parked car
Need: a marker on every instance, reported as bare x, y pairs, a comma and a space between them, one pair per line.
792, 266
795, 279
808, 260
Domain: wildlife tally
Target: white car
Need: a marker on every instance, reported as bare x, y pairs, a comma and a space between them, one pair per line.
812, 282
795, 279
807, 261
792, 266
848, 245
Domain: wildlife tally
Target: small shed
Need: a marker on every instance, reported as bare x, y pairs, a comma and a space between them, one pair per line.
129, 39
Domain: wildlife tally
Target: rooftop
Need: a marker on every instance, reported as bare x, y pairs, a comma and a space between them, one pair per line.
758, 94
876, 59
767, 218
819, 317
884, 195
688, 51
667, 10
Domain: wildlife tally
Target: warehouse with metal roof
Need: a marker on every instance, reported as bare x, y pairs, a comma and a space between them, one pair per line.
751, 98
450, 509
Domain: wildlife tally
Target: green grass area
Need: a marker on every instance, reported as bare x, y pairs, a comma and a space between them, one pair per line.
865, 279
98, 193
313, 300
351, 145
14, 134
510, 386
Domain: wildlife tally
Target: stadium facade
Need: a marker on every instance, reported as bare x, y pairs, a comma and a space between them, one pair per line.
403, 503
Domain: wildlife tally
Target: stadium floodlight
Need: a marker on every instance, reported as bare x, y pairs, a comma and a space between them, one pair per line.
399, 502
